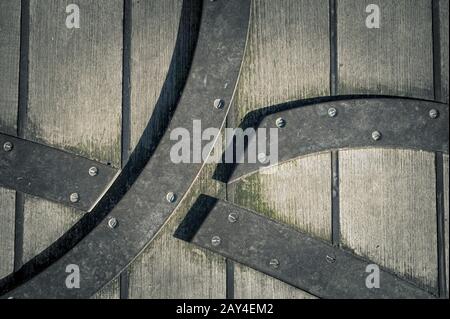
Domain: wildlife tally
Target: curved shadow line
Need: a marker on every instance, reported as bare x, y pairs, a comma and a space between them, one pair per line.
173, 86
224, 171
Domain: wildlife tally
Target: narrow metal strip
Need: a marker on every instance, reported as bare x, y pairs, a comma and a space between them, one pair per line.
288, 255
52, 174
440, 217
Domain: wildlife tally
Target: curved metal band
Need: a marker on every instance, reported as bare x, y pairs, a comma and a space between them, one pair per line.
286, 254
309, 128
106, 251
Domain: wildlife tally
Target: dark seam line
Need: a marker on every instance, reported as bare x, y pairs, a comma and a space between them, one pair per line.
126, 114
335, 213
21, 124
436, 51
440, 224
333, 48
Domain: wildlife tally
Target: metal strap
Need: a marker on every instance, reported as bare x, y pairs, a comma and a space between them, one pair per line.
311, 126
286, 254
52, 174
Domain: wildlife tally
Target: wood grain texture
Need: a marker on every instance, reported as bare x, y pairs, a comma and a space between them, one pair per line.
444, 22
297, 193
446, 210
396, 59
388, 210
288, 54
168, 267
7, 205
287, 58
251, 284
171, 268
110, 291
9, 85
9, 64
75, 97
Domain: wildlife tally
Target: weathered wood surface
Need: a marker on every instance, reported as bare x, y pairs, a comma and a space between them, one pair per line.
287, 58
74, 99
9, 85
444, 46
388, 210
396, 59
393, 190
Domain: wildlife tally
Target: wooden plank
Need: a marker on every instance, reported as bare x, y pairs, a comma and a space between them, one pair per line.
75, 96
110, 291
396, 59
306, 207
388, 210
251, 284
444, 45
168, 267
287, 58
446, 210
9, 85
288, 54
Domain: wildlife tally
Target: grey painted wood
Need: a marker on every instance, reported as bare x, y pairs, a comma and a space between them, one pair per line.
444, 21
251, 284
75, 96
287, 58
9, 85
7, 204
388, 210
396, 59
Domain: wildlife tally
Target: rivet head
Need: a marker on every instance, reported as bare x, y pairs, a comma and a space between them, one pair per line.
376, 135
274, 263
93, 171
219, 104
280, 122
434, 114
74, 197
215, 241
8, 146
332, 112
262, 158
112, 223
171, 197
331, 259
232, 218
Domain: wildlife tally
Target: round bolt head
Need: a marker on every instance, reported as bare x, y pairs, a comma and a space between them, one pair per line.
331, 259
232, 218
8, 146
434, 114
215, 241
280, 122
332, 112
262, 158
376, 136
274, 263
112, 223
74, 197
219, 104
93, 171
171, 197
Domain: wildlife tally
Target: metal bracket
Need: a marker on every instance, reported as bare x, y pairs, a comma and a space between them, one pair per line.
310, 127
286, 254
134, 221
52, 174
